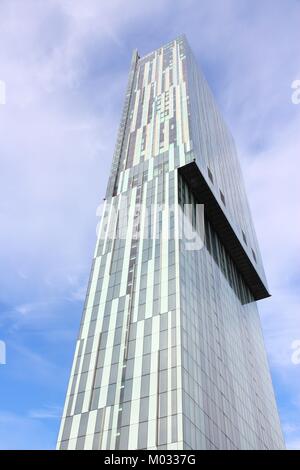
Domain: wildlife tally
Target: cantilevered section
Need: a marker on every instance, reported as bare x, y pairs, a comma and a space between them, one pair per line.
198, 185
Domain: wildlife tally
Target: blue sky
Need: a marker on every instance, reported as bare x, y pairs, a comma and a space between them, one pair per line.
65, 65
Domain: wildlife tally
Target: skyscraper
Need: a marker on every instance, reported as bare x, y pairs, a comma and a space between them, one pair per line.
170, 353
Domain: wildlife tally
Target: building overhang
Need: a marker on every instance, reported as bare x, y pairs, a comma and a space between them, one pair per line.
216, 216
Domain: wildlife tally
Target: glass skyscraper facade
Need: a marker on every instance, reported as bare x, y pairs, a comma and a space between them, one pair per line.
170, 353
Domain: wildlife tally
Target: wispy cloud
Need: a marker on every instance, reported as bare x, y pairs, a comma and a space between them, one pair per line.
22, 432
48, 412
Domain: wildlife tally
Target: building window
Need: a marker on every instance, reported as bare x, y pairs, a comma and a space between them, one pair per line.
210, 175
222, 197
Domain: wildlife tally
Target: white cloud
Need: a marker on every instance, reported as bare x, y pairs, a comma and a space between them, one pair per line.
24, 309
21, 432
48, 412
